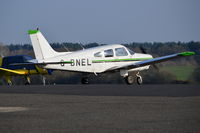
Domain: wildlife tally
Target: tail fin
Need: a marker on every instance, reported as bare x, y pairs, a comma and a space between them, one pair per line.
41, 47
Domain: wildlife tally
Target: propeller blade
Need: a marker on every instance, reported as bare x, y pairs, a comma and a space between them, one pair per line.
156, 67
143, 50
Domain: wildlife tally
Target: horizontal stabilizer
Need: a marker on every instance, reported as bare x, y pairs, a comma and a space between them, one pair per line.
43, 63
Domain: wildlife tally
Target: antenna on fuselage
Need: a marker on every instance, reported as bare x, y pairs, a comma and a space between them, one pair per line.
144, 52
65, 47
81, 46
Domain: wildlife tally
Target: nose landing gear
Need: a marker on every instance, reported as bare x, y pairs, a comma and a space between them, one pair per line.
139, 79
130, 79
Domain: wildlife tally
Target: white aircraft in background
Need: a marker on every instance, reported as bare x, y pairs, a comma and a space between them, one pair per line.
95, 60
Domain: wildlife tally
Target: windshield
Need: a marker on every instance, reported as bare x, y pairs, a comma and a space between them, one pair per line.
121, 52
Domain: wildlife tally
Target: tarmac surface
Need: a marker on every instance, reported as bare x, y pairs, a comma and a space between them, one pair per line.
100, 109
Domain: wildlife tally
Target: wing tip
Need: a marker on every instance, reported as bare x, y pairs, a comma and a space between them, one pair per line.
188, 53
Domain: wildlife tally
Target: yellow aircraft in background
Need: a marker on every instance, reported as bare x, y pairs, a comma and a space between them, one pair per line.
7, 71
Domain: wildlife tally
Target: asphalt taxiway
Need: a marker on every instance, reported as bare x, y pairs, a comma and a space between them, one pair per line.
100, 108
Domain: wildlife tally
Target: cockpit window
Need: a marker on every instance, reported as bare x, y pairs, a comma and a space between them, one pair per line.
98, 54
121, 52
130, 51
108, 53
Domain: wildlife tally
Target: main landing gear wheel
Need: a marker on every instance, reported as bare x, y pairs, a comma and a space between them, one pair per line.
129, 79
85, 80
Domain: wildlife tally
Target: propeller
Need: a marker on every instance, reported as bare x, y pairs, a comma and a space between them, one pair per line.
144, 52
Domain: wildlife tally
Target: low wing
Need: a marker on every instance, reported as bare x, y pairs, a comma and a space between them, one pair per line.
154, 60
4, 71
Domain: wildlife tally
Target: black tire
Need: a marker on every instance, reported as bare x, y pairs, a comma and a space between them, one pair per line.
139, 80
84, 81
129, 80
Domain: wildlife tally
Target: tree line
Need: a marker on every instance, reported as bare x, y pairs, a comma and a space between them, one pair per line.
151, 76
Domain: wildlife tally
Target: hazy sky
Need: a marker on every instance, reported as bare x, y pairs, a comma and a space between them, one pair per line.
101, 21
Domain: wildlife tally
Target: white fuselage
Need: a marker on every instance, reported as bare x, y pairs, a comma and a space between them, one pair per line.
96, 60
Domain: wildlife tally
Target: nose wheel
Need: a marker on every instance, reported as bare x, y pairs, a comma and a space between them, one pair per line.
139, 79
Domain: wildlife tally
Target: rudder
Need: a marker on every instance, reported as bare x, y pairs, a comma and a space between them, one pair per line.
41, 47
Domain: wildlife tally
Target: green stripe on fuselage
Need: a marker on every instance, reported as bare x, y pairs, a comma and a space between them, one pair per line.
67, 62
120, 60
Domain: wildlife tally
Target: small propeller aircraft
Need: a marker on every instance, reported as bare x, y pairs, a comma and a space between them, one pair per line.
7, 70
97, 60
